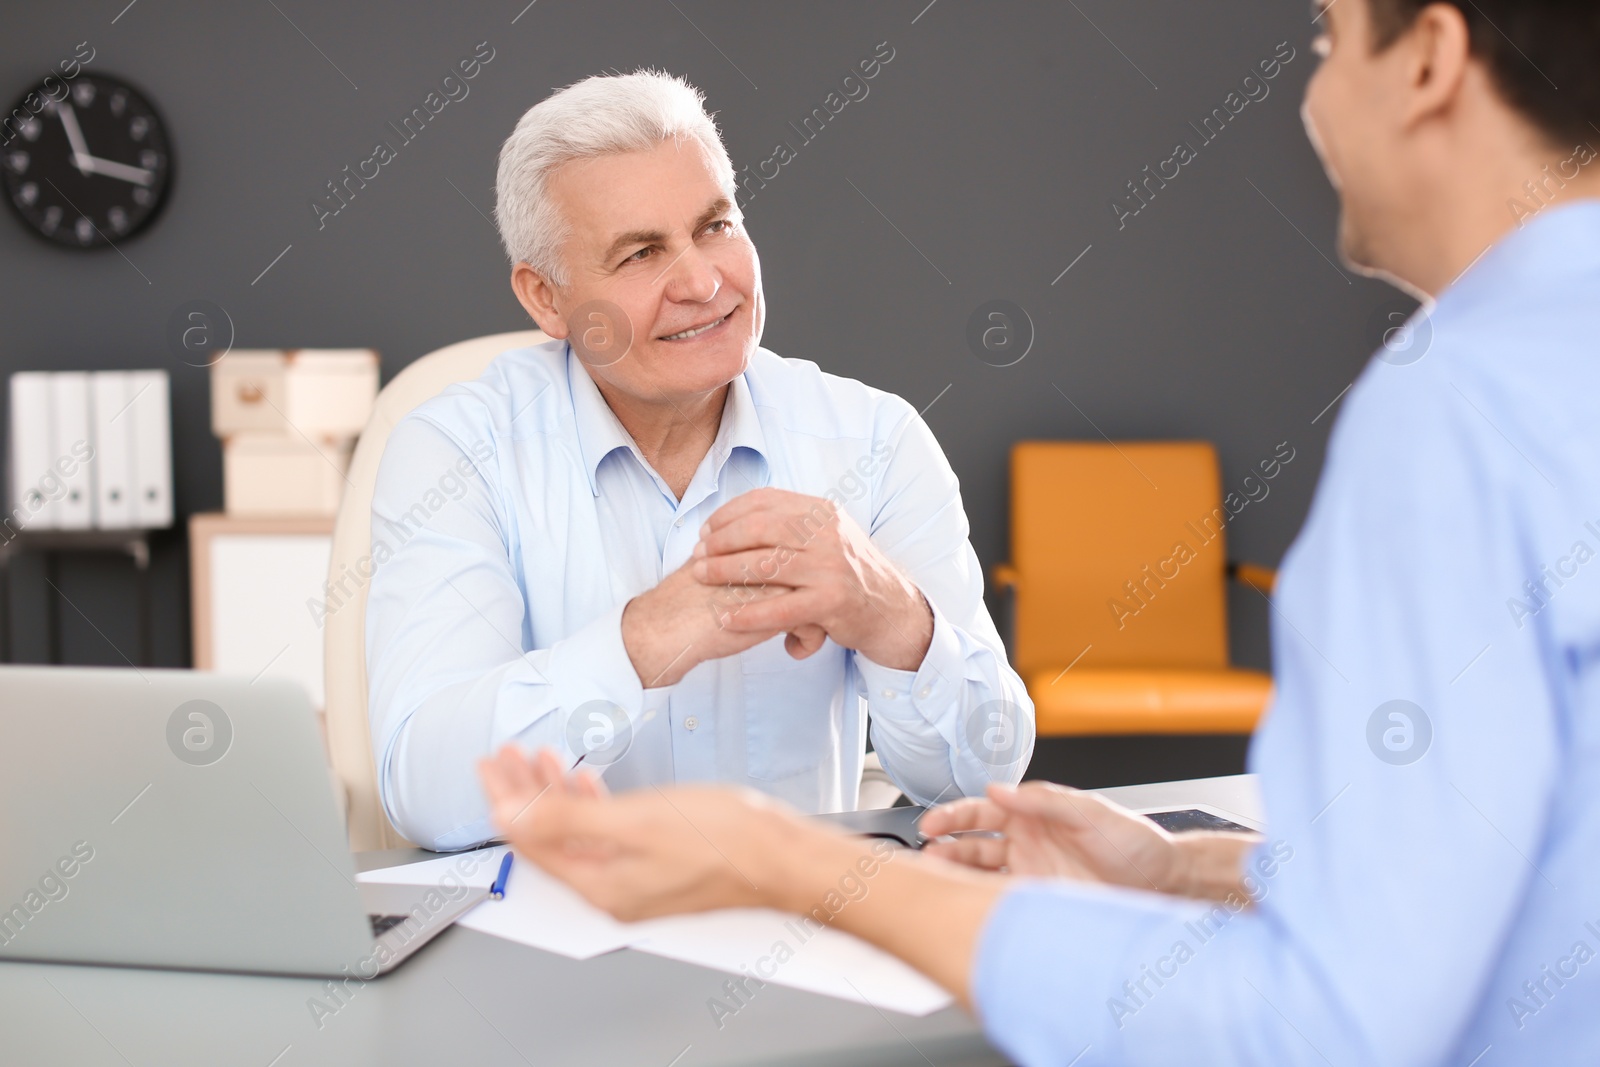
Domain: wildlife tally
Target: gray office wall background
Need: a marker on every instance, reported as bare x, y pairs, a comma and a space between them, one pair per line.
982, 163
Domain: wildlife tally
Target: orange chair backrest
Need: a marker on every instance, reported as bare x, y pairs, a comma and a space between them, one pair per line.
1118, 549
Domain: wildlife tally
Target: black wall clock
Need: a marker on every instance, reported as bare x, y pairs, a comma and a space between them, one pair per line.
86, 164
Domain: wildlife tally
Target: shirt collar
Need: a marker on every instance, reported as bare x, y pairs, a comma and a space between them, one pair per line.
1558, 242
601, 433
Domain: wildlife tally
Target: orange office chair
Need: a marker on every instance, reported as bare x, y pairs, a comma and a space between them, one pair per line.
1118, 572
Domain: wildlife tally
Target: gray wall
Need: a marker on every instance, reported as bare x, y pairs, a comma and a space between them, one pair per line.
984, 161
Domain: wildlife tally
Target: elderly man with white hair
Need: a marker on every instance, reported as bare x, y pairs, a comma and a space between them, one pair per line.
662, 548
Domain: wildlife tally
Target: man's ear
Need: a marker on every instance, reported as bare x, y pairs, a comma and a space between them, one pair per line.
539, 298
1436, 51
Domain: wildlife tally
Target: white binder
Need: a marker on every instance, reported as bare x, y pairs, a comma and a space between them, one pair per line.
71, 449
30, 497
113, 450
152, 448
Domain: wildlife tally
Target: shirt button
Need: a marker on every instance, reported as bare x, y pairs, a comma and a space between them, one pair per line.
690, 723
926, 690
678, 523
888, 694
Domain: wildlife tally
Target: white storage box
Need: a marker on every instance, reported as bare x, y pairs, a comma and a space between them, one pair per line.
319, 392
273, 475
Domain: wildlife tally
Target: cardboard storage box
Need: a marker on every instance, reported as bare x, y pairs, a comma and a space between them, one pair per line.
269, 475
318, 392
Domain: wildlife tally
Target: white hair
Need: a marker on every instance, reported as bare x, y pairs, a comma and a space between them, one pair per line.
594, 117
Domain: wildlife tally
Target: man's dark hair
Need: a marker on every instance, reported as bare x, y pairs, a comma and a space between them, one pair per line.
1544, 56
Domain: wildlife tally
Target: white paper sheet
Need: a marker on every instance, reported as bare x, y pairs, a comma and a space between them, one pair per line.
785, 950
476, 869
542, 912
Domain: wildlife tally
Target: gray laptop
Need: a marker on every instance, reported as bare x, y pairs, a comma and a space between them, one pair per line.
175, 819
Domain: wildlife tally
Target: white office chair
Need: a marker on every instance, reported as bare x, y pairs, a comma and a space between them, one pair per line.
344, 641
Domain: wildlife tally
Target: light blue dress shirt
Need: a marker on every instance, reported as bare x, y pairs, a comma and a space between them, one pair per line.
514, 518
1429, 890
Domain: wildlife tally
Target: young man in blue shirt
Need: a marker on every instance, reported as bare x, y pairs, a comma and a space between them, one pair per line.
1428, 892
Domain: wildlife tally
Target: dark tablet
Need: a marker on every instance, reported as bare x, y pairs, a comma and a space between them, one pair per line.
1184, 820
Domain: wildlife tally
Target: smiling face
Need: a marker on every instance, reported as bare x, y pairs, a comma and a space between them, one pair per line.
654, 237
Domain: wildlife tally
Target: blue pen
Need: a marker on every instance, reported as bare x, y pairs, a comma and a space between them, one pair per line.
498, 890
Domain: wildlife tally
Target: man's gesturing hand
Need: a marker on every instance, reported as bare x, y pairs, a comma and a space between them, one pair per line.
831, 574
1049, 830
1055, 831
648, 852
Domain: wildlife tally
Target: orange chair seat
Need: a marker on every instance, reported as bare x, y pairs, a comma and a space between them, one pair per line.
1143, 700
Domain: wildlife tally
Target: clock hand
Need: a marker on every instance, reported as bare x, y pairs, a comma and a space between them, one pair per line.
94, 165
69, 122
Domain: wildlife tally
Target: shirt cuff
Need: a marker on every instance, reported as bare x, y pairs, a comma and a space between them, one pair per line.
932, 688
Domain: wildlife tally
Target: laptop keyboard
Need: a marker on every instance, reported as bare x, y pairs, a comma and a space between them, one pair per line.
382, 924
